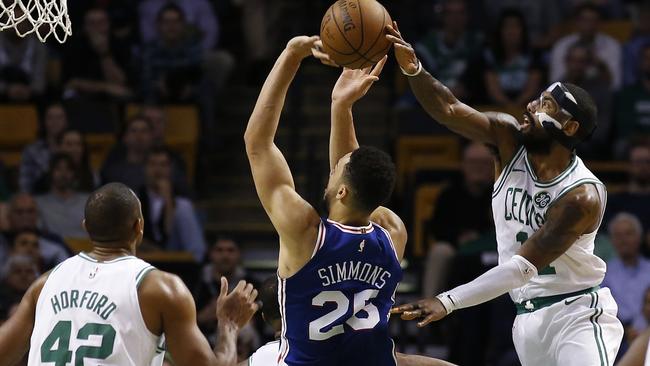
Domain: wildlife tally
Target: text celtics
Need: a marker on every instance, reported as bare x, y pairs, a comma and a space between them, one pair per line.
354, 270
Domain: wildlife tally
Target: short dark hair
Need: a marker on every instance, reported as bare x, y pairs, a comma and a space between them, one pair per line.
588, 109
170, 7
269, 297
110, 213
587, 6
371, 176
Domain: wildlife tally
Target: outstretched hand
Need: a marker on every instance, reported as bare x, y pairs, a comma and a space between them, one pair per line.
238, 306
404, 52
430, 309
352, 85
304, 46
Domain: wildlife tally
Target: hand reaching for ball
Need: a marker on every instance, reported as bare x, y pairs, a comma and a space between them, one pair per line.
404, 52
352, 85
305, 46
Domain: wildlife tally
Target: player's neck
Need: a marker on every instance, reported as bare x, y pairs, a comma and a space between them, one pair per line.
550, 165
345, 216
104, 253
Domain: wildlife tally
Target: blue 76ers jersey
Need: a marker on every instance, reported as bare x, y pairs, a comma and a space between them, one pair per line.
335, 309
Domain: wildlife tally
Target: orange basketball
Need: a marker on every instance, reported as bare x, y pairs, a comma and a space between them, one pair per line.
353, 32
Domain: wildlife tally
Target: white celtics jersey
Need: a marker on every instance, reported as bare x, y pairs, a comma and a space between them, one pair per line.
267, 355
88, 313
519, 204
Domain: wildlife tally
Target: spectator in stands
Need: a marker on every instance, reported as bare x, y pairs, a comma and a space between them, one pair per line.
449, 52
628, 276
636, 196
96, 64
19, 272
450, 227
171, 63
513, 74
158, 118
632, 50
585, 70
62, 209
25, 242
610, 9
23, 216
125, 163
73, 143
604, 47
170, 220
36, 156
199, 16
632, 112
22, 67
224, 259
542, 17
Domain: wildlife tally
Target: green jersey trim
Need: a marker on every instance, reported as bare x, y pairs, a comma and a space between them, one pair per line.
91, 259
573, 185
506, 172
598, 330
142, 274
572, 166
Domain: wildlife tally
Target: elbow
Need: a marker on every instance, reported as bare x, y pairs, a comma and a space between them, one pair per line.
253, 145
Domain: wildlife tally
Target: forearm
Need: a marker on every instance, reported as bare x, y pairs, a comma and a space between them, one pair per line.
436, 99
225, 349
493, 283
265, 118
112, 71
343, 138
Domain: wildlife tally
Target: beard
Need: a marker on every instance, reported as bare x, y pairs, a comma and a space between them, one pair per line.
325, 203
536, 140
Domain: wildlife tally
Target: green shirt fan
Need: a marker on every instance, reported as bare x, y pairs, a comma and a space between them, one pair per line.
41, 17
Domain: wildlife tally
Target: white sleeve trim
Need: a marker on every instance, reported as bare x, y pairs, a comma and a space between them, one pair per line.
497, 281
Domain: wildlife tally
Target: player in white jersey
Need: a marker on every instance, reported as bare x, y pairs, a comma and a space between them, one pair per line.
268, 354
547, 208
107, 307
639, 352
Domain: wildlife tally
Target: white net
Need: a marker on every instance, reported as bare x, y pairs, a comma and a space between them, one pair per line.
41, 17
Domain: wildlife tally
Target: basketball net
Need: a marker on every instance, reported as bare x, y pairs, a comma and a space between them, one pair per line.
41, 17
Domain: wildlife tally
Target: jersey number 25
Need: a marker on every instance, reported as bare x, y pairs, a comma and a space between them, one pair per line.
360, 302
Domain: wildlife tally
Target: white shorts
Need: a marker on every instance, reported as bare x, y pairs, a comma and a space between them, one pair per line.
578, 331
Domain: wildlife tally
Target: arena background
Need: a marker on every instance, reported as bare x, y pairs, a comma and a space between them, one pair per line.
156, 94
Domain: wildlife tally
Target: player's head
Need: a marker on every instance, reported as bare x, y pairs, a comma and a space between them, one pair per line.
564, 114
268, 294
361, 180
25, 242
113, 217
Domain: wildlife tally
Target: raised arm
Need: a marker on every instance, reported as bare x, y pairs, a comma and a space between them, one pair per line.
294, 219
16, 332
575, 214
351, 86
168, 307
437, 100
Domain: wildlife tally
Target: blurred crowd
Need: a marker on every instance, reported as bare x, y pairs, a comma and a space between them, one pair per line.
497, 53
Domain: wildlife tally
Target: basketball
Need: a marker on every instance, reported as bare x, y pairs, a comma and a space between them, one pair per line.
353, 33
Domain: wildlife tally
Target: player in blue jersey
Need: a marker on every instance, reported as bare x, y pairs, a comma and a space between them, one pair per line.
337, 275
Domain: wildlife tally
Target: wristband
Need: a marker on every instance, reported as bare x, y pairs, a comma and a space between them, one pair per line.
447, 302
416, 73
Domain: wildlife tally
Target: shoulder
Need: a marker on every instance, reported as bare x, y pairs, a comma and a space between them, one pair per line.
164, 289
564, 42
607, 40
578, 208
393, 224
